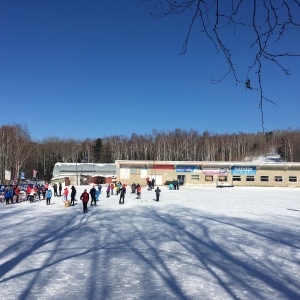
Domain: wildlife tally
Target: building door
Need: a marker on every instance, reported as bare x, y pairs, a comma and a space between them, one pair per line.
157, 178
181, 179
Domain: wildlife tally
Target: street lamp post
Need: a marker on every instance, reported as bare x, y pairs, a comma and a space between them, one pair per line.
76, 175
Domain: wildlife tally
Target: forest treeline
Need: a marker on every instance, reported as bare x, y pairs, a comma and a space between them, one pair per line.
18, 152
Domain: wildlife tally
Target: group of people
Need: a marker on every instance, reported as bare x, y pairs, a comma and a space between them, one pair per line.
174, 185
57, 189
36, 191
12, 192
136, 188
150, 183
119, 188
94, 194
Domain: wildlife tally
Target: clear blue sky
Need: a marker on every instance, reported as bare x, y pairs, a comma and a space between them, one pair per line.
89, 69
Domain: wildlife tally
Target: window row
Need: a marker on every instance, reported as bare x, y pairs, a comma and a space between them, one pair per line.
263, 178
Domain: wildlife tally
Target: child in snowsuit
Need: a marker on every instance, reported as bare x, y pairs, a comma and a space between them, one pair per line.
48, 196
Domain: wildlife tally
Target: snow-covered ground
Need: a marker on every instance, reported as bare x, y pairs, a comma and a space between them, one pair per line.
197, 243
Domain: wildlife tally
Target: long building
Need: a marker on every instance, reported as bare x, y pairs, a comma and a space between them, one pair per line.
268, 173
221, 174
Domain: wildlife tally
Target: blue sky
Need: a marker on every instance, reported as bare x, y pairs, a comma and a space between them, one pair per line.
88, 69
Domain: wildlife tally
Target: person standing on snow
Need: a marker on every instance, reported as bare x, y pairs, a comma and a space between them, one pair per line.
85, 197
157, 192
28, 190
139, 191
153, 182
66, 193
93, 195
59, 188
7, 195
112, 187
17, 193
122, 194
73, 194
55, 190
99, 188
48, 196
108, 191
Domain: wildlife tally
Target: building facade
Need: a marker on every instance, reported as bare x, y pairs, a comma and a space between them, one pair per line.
83, 173
264, 174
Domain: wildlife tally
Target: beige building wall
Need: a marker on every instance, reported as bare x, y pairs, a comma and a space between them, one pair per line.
209, 173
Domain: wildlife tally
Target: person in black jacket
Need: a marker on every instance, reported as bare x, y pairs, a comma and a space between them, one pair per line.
122, 194
73, 193
93, 195
59, 188
157, 192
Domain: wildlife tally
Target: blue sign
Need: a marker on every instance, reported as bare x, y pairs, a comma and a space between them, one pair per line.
246, 170
188, 168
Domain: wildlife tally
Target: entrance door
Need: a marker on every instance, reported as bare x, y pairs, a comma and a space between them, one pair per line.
157, 178
181, 179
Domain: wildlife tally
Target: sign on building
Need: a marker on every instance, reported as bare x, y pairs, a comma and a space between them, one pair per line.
243, 170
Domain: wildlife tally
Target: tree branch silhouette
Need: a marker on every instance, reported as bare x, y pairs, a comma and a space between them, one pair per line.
267, 22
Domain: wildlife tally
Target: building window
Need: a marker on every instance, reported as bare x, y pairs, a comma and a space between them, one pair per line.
236, 178
293, 179
222, 178
209, 178
250, 178
278, 179
195, 177
264, 178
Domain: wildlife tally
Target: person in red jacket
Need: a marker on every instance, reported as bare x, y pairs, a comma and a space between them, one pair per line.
85, 197
17, 193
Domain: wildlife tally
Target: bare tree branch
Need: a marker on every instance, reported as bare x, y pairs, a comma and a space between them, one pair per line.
267, 23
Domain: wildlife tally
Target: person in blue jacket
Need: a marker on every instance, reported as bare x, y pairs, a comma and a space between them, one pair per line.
7, 195
48, 196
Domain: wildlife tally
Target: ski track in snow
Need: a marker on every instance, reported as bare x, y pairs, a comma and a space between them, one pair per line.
196, 243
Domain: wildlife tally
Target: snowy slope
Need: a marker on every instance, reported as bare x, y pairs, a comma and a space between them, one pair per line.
197, 243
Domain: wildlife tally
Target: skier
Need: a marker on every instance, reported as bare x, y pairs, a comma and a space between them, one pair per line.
85, 197
122, 194
157, 192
